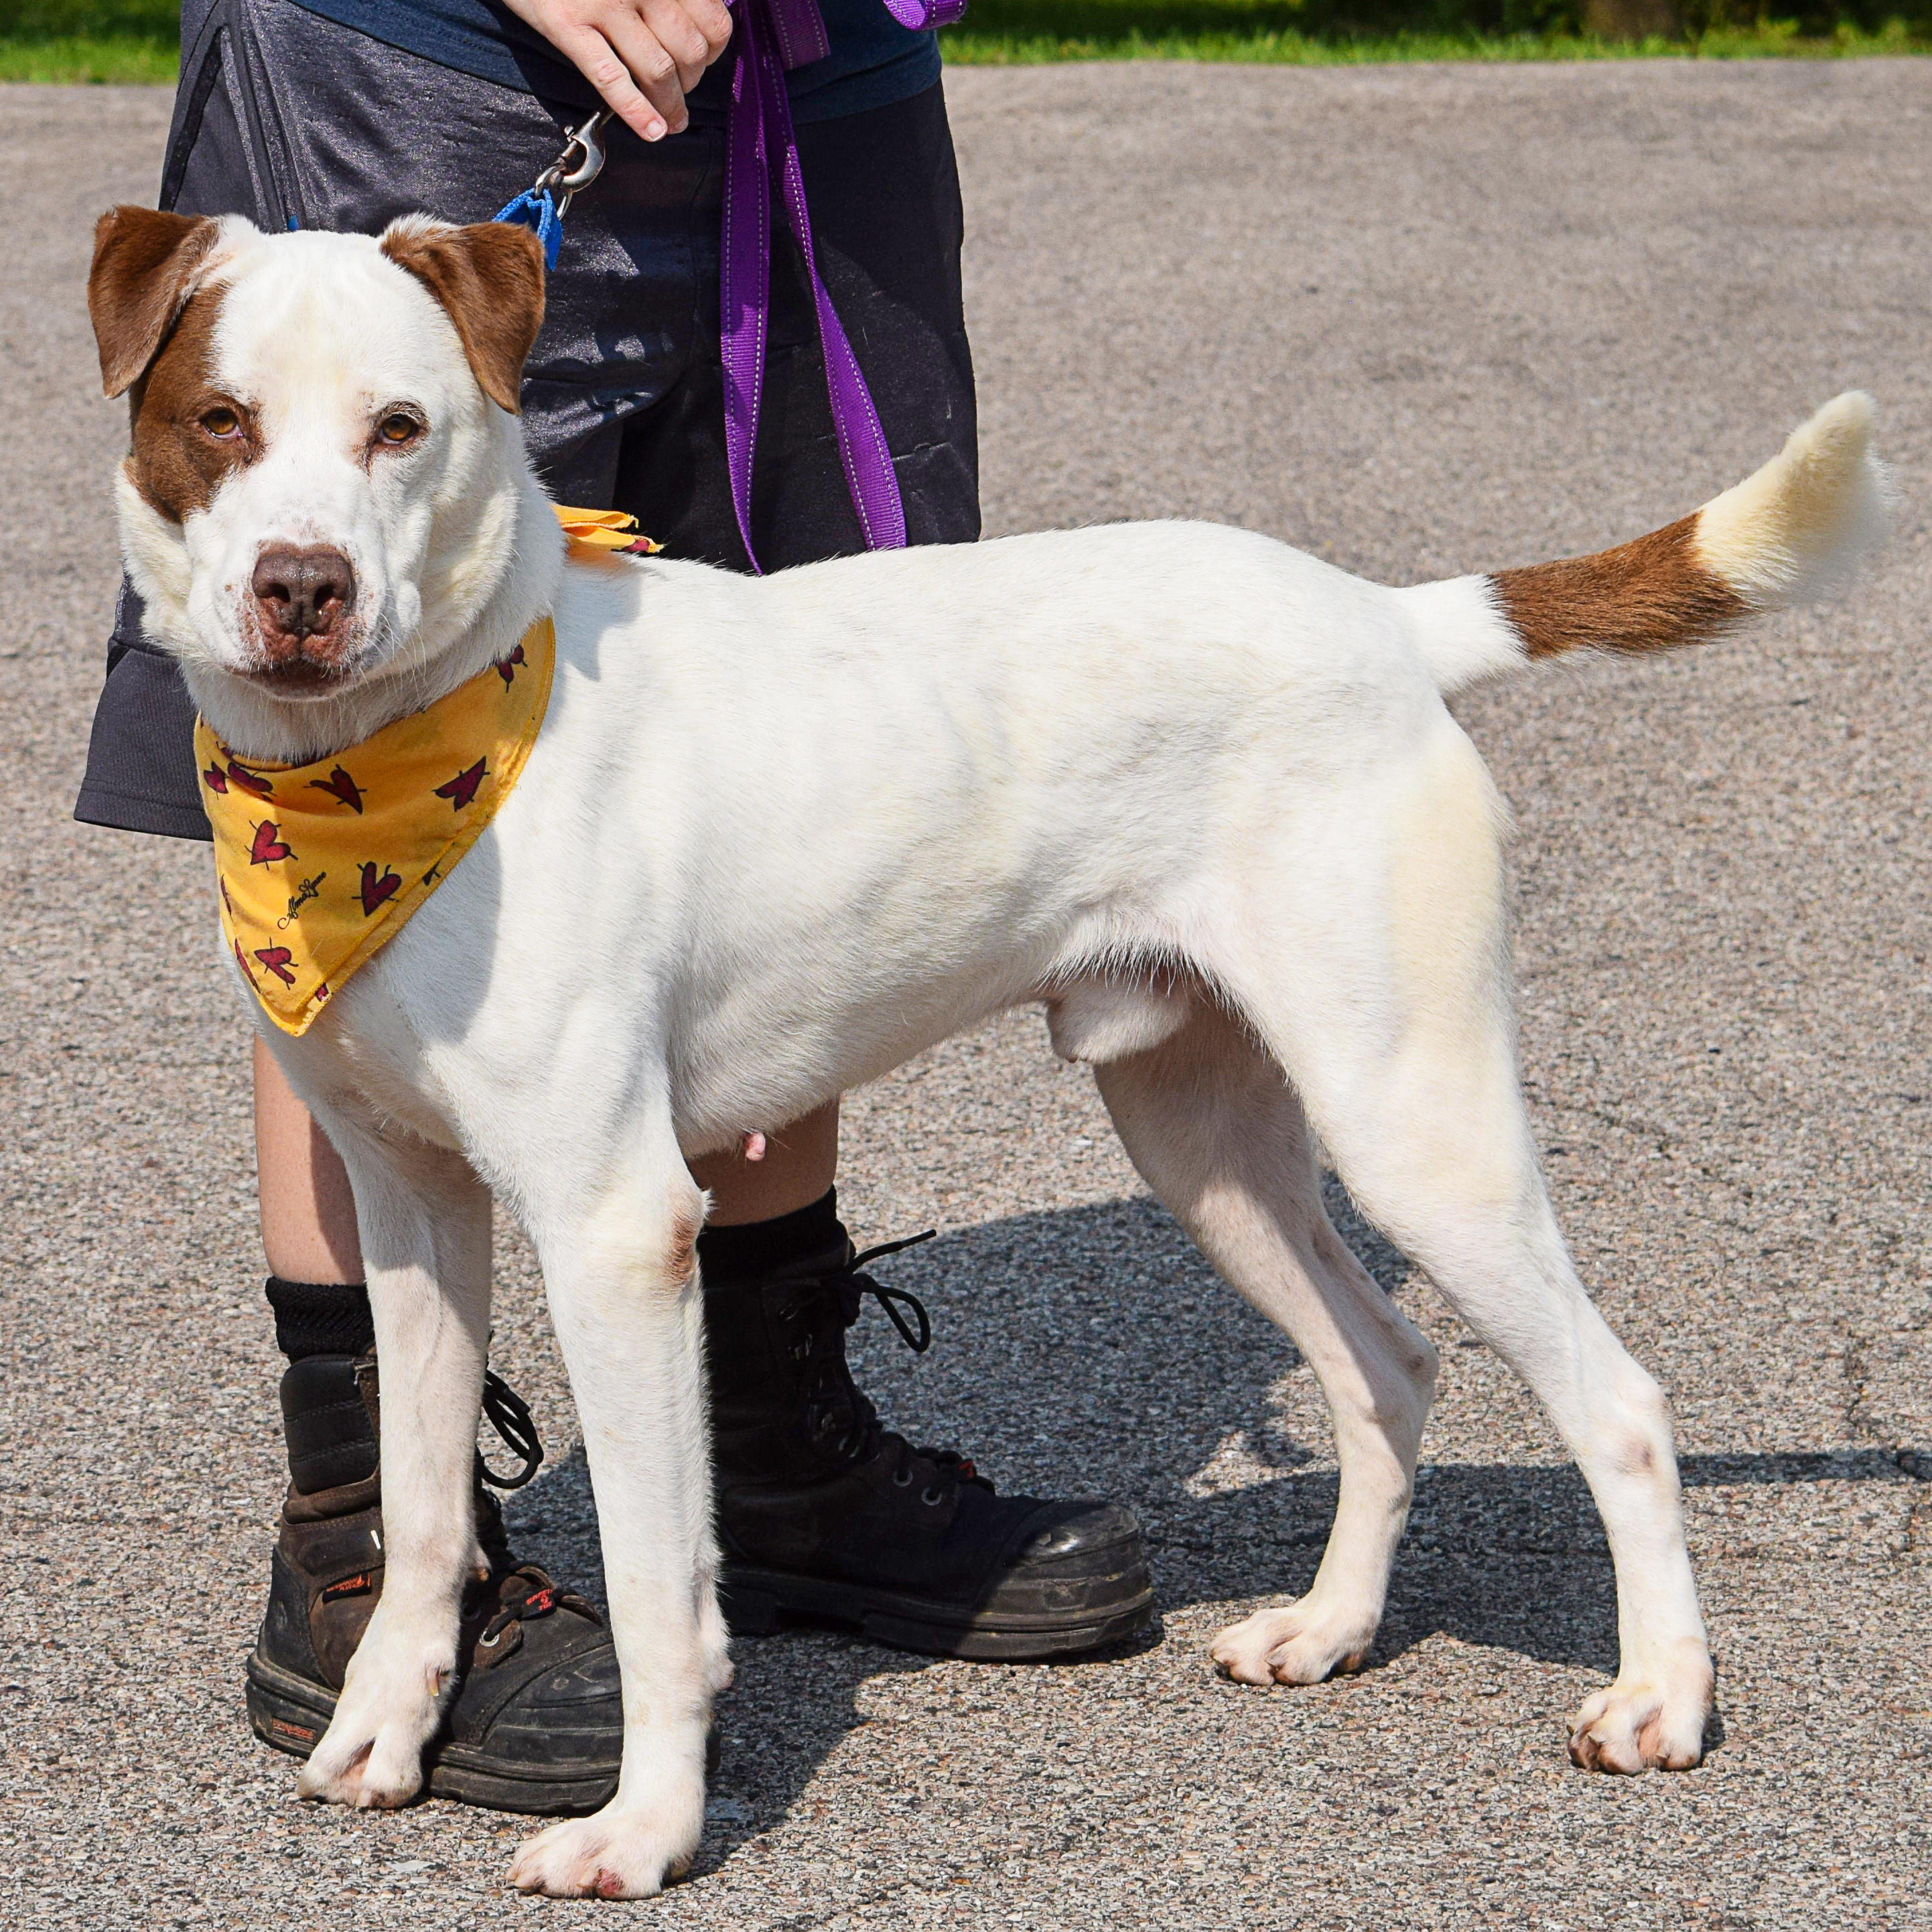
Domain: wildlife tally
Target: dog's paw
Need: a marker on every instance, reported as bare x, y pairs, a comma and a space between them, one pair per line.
1300, 1643
624, 1851
370, 1756
1652, 1717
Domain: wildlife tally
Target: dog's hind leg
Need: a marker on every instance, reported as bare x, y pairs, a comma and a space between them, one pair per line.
425, 1221
1212, 1124
619, 1249
1375, 967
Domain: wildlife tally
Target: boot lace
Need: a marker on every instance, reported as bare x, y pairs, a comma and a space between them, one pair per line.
524, 1593
523, 1590
511, 1591
510, 1416
508, 1413
839, 1416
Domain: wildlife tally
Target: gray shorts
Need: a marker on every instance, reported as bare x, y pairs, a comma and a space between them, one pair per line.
290, 119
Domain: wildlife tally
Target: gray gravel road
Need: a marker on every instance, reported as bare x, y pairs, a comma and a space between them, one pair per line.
1421, 321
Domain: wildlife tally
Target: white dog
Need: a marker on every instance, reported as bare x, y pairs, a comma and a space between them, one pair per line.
1194, 792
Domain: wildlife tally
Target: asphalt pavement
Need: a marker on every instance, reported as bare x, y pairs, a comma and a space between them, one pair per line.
1420, 321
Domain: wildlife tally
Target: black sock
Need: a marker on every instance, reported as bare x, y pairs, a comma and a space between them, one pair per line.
762, 1247
321, 1318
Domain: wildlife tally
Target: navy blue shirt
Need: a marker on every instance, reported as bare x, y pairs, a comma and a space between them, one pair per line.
874, 61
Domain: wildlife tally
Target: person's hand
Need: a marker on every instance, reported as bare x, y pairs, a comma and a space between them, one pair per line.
643, 56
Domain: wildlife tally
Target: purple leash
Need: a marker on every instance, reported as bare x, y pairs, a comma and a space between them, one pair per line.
770, 37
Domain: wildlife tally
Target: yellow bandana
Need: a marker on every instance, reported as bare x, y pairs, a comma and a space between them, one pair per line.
605, 530
320, 865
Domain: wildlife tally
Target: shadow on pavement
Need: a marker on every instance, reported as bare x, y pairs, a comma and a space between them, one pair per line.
1092, 1352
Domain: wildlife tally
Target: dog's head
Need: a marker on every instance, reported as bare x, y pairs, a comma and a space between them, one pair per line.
326, 478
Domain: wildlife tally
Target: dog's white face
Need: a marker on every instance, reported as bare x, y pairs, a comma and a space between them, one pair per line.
326, 474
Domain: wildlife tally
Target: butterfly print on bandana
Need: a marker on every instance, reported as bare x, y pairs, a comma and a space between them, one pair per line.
462, 788
267, 846
376, 893
340, 785
277, 959
506, 667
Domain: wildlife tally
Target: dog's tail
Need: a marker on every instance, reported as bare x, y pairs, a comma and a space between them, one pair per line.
1796, 531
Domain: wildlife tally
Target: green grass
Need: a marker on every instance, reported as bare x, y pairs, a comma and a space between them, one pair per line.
80, 40
71, 59
1002, 33
72, 41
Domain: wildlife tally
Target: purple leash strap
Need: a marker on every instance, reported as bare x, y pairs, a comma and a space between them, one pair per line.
919, 15
759, 134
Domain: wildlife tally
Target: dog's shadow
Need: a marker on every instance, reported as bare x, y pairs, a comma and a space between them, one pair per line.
1092, 1352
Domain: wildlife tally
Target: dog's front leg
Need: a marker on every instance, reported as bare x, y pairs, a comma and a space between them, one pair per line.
623, 1280
425, 1220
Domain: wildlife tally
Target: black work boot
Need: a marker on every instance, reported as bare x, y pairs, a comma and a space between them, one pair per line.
824, 1516
535, 1723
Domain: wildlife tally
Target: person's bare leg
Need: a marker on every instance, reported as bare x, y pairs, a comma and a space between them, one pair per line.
800, 1163
307, 1209
770, 1216
325, 1326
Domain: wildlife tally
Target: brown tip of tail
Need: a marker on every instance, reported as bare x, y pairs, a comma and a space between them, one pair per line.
1650, 594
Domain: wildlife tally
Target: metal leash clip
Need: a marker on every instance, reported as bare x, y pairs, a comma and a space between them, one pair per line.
563, 180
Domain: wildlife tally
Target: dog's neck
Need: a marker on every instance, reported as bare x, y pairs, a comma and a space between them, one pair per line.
255, 724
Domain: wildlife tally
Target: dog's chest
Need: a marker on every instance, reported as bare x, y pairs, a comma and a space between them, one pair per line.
397, 1093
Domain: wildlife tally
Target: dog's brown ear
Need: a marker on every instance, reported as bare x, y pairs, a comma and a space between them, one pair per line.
490, 280
144, 266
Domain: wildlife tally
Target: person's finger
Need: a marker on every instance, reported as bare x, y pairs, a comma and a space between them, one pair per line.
677, 33
652, 66
683, 37
601, 63
711, 18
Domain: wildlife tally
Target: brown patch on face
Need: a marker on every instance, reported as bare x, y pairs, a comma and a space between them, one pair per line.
1652, 595
182, 447
144, 263
489, 278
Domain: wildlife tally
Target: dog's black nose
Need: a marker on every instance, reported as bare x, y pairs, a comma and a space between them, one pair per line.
303, 591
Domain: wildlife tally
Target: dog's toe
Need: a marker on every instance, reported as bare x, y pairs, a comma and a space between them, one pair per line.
370, 1756
1652, 1717
621, 1852
334, 1776
1300, 1643
367, 1772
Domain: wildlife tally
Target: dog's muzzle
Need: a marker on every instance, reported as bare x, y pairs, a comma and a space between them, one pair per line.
304, 595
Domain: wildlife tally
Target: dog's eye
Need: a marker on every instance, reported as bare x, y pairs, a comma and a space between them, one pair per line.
397, 427
221, 420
